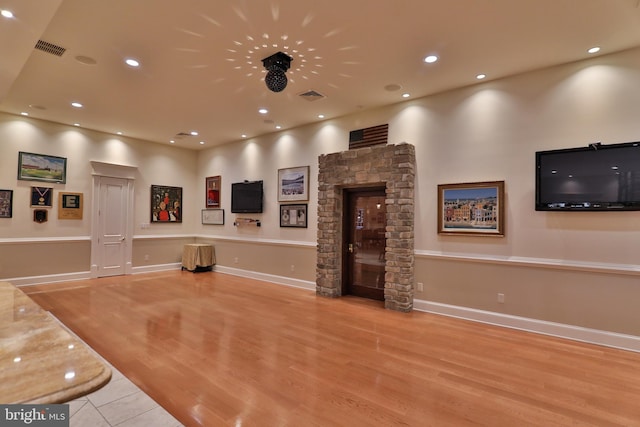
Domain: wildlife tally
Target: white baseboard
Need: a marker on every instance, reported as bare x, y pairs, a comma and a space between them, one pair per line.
577, 333
280, 280
50, 278
68, 277
156, 267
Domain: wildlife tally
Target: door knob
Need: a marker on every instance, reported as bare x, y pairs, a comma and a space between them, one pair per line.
350, 247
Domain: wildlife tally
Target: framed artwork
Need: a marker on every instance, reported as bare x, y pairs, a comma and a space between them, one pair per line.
40, 215
213, 216
293, 184
293, 216
6, 203
212, 186
70, 205
471, 209
40, 167
166, 204
41, 197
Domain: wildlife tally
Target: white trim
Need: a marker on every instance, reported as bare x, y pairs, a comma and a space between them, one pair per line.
51, 278
46, 239
257, 241
156, 267
594, 267
162, 236
279, 280
113, 170
577, 333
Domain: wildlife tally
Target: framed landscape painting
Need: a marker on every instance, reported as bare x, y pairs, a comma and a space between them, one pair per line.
475, 208
293, 184
41, 167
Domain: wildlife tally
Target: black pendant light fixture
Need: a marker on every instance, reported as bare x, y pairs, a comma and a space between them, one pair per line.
276, 66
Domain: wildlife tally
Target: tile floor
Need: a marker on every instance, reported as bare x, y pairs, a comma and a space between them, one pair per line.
120, 403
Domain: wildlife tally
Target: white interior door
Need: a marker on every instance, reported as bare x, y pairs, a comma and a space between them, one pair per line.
114, 241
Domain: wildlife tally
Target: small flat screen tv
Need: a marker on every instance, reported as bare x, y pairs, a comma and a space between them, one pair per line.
246, 197
594, 178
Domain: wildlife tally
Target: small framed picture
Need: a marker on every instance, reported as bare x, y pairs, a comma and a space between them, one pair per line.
213, 216
212, 194
293, 184
293, 215
69, 205
41, 196
6, 203
40, 215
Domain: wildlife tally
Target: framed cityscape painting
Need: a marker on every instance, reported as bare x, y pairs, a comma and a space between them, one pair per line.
471, 208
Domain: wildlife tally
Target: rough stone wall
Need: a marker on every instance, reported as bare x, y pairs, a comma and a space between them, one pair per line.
392, 166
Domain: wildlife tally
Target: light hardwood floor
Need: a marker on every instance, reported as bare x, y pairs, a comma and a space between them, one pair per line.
220, 350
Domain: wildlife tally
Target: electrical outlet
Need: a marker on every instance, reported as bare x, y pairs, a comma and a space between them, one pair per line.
501, 298
420, 287
235, 260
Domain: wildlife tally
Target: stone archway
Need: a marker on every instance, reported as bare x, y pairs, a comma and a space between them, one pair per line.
394, 167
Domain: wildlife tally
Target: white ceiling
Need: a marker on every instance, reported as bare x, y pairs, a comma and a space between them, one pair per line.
201, 60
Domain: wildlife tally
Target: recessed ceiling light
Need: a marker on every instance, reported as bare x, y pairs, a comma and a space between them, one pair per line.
172, 141
244, 135
201, 142
278, 127
594, 49
76, 124
481, 76
321, 116
405, 95
76, 104
263, 111
119, 133
132, 62
6, 13
24, 113
430, 59
193, 133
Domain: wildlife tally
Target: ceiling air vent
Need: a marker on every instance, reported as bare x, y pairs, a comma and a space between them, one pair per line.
50, 48
311, 95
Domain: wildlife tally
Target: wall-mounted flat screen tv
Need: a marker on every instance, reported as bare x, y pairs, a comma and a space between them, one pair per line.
246, 197
594, 178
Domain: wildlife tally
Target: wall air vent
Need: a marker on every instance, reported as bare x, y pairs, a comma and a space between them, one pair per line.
311, 95
50, 48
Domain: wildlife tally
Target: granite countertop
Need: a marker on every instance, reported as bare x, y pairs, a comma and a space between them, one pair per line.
40, 360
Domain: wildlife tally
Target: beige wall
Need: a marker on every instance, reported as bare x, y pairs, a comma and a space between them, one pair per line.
485, 132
